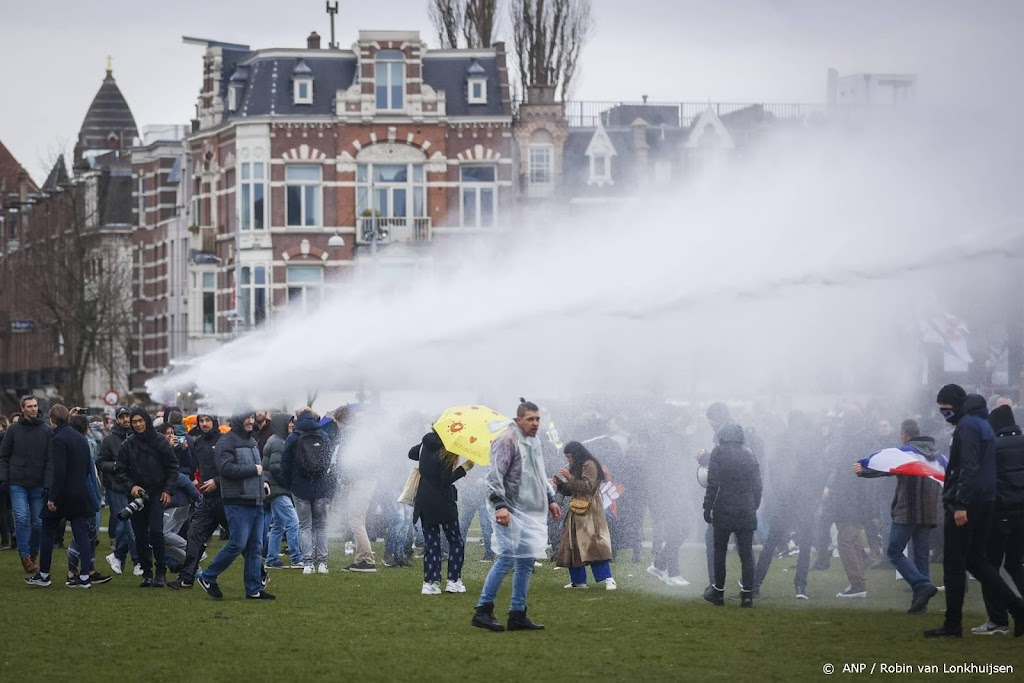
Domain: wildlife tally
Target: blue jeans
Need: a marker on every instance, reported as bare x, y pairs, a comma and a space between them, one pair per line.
602, 570
915, 573
27, 504
284, 523
468, 511
522, 568
124, 537
399, 523
245, 529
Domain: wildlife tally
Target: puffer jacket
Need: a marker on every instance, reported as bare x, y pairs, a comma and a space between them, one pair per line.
272, 452
237, 456
24, 453
1009, 463
108, 455
734, 482
971, 473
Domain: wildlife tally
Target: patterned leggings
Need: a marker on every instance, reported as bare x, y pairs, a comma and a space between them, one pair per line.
432, 551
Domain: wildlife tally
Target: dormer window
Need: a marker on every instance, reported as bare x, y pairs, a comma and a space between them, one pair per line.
302, 83
600, 169
233, 98
600, 151
476, 84
235, 86
390, 80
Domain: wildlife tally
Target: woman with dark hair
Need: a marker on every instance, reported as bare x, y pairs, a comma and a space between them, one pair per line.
585, 538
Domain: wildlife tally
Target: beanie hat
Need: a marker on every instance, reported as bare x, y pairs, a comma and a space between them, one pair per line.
952, 394
1001, 418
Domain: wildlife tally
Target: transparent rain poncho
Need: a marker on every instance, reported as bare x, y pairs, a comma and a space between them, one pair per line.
526, 498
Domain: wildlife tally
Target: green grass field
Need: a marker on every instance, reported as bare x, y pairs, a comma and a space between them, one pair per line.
378, 627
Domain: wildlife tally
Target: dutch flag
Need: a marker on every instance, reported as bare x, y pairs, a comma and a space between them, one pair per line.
906, 460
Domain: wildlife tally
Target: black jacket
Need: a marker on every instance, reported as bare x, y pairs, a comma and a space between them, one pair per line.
24, 453
301, 486
436, 498
971, 472
69, 487
109, 447
272, 452
237, 457
147, 460
734, 482
851, 498
1009, 463
202, 451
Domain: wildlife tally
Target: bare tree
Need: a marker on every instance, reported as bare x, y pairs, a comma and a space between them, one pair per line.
479, 22
547, 37
447, 18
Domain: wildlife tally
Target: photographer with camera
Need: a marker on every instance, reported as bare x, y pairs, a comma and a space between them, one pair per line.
147, 469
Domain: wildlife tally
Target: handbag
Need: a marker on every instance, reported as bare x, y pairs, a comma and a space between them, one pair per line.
412, 485
579, 505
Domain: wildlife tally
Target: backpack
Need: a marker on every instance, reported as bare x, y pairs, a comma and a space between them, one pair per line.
313, 454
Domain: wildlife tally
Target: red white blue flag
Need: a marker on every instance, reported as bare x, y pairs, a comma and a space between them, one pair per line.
908, 461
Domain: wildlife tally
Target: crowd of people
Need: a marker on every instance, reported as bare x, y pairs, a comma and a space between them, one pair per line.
264, 479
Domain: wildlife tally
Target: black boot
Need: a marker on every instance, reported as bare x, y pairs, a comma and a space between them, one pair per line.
746, 598
716, 596
518, 621
484, 618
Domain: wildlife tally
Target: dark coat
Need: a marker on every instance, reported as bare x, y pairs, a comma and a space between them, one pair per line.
105, 461
971, 473
263, 434
299, 484
436, 498
69, 489
24, 453
1009, 464
237, 459
734, 482
206, 461
851, 498
272, 452
147, 460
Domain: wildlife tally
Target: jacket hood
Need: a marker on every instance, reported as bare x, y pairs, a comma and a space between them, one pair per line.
179, 430
237, 423
123, 432
214, 431
1002, 421
279, 424
925, 445
150, 433
731, 433
974, 405
305, 422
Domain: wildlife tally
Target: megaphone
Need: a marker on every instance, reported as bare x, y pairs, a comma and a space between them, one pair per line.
702, 475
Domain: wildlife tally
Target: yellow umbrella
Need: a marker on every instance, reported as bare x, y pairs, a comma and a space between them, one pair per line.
469, 430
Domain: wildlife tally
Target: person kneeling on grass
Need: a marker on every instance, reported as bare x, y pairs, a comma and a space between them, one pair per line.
68, 497
437, 506
585, 538
243, 489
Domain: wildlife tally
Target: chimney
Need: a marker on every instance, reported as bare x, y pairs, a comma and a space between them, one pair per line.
313, 41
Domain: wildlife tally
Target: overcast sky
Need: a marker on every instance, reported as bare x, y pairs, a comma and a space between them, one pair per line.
53, 54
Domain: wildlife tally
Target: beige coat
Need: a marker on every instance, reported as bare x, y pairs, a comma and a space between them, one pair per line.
585, 538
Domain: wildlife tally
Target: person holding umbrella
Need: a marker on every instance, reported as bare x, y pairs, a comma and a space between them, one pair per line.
436, 504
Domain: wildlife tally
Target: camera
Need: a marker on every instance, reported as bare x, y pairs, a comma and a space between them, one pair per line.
133, 507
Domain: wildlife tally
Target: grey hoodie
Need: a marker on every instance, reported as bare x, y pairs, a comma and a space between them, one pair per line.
272, 455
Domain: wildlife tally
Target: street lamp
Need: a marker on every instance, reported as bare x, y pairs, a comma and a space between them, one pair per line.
336, 241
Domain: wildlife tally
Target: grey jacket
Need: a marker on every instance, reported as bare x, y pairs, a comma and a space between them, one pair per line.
237, 456
272, 452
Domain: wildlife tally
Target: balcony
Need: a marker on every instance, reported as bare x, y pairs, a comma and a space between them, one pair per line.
392, 230
204, 239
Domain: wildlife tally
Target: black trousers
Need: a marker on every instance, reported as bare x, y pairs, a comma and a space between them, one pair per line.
148, 525
6, 518
1006, 549
778, 537
667, 544
967, 551
209, 515
744, 548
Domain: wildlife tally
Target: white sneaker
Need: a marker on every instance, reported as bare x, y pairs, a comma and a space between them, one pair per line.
576, 585
322, 568
659, 574
677, 581
137, 571
990, 629
203, 558
537, 565
433, 588
350, 548
850, 593
454, 587
609, 584
308, 569
115, 564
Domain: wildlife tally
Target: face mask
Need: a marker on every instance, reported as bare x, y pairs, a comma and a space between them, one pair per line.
948, 414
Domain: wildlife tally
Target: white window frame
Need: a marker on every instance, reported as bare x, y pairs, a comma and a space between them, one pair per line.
478, 188
482, 97
414, 187
308, 294
205, 289
297, 96
547, 184
310, 197
233, 97
600, 169
249, 290
387, 65
253, 181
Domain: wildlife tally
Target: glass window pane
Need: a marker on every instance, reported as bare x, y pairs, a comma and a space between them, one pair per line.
209, 280
382, 97
260, 308
382, 203
294, 208
258, 208
312, 206
245, 171
417, 173
486, 207
361, 173
398, 201
245, 219
305, 275
302, 172
245, 299
258, 171
261, 275
391, 173
478, 174
209, 313
418, 208
469, 207
362, 202
246, 275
